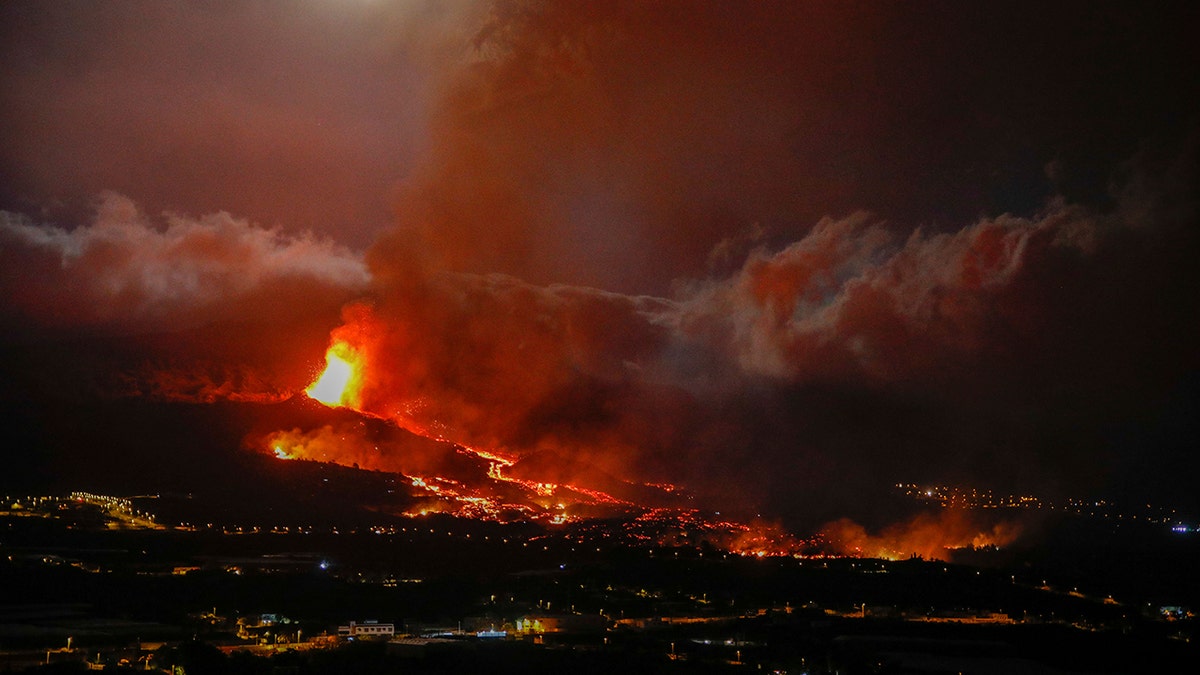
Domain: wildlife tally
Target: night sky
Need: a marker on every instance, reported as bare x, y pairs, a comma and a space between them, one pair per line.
780, 253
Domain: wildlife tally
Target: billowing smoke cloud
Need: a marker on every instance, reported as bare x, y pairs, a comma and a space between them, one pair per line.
358, 445
850, 300
178, 308
125, 271
846, 358
617, 145
677, 157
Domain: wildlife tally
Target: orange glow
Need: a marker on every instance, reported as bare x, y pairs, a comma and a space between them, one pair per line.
341, 381
930, 536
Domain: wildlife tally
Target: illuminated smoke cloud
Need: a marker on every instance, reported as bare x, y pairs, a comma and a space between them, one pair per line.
614, 144
497, 362
817, 368
624, 146
929, 536
631, 382
178, 308
345, 446
125, 271
853, 300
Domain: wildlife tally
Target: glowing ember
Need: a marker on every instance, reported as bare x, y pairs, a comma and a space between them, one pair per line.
339, 384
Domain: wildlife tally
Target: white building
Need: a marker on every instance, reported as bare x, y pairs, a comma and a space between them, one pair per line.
367, 629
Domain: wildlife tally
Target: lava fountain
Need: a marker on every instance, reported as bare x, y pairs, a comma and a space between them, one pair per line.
341, 381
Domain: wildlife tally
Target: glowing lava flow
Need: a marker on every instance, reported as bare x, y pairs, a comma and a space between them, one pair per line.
494, 494
341, 380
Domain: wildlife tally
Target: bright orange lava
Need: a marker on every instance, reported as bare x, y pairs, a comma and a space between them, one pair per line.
341, 380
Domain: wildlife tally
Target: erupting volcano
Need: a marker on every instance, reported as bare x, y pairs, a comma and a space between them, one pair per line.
506, 484
497, 483
575, 261
614, 317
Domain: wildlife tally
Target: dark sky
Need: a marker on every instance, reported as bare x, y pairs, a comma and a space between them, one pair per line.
806, 246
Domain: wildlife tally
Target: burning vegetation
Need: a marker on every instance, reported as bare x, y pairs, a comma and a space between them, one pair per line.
929, 536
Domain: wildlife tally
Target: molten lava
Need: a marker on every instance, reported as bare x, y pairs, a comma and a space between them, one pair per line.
341, 380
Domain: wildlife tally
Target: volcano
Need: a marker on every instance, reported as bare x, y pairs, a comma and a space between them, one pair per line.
76, 426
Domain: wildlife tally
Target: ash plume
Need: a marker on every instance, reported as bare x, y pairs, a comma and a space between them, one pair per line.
822, 364
618, 147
